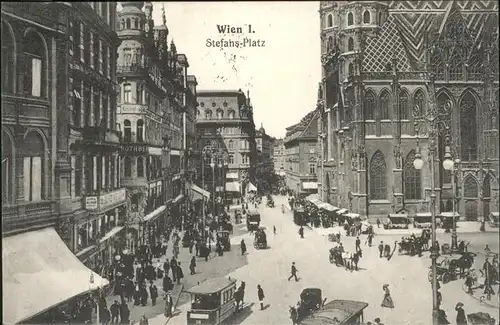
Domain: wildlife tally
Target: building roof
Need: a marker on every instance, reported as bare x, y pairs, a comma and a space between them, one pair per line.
335, 312
298, 130
219, 91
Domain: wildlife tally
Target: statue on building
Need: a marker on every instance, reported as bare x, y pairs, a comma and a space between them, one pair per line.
397, 155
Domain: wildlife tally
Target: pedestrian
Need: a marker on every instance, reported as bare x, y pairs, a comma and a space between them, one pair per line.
192, 265
378, 223
381, 249
173, 264
180, 274
115, 312
191, 245
105, 315
260, 294
153, 291
274, 229
166, 267
387, 301
144, 295
461, 319
469, 281
293, 272
143, 321
301, 232
197, 247
243, 247
370, 239
168, 304
124, 313
358, 244
377, 321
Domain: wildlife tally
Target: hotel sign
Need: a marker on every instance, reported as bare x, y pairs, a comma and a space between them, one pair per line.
105, 201
134, 148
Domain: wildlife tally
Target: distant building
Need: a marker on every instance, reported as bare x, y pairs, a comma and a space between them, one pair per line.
301, 155
264, 144
279, 157
225, 125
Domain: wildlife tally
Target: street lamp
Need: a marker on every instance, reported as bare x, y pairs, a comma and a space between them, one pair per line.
434, 118
212, 165
449, 164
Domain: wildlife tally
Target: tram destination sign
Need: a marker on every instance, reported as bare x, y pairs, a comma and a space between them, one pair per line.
134, 148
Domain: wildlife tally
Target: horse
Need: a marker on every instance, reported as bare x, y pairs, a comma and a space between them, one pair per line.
463, 263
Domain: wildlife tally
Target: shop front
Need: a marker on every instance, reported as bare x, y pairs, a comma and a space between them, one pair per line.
45, 276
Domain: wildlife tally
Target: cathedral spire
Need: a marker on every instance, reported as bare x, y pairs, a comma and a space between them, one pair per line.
163, 15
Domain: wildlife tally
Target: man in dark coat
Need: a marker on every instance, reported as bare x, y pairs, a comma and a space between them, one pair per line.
115, 311
144, 295
301, 232
173, 264
294, 272
260, 294
167, 284
166, 267
243, 247
358, 244
153, 291
461, 319
168, 305
192, 265
179, 273
124, 313
381, 249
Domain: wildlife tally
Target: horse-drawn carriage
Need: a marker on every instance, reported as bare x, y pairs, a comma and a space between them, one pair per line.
448, 219
411, 245
480, 319
260, 241
449, 269
396, 221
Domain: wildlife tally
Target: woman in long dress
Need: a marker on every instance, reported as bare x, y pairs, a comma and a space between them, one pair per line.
387, 302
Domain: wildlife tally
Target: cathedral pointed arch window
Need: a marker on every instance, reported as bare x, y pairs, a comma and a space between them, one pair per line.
350, 19
366, 17
350, 44
468, 128
385, 99
369, 106
471, 190
351, 69
329, 44
412, 179
419, 102
330, 21
378, 183
404, 105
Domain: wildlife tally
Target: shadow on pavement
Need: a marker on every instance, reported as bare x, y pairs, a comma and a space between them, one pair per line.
240, 316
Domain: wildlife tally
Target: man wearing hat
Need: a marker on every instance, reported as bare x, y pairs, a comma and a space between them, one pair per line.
461, 319
294, 272
168, 304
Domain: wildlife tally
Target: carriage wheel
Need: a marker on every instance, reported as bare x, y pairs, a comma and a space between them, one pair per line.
446, 277
429, 276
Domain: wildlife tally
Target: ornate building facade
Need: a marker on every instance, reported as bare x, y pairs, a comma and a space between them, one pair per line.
279, 157
301, 154
382, 62
225, 123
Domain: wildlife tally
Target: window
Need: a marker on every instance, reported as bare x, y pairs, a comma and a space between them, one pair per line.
78, 175
97, 108
378, 185
404, 105
105, 63
350, 44
380, 18
412, 179
140, 167
127, 93
419, 102
366, 17
385, 99
230, 159
468, 128
127, 167
230, 144
8, 54
350, 19
312, 168
330, 20
220, 114
470, 188
140, 131
97, 52
136, 24
34, 65
139, 90
369, 105
231, 114
86, 45
128, 23
127, 57
33, 167
208, 114
77, 102
351, 69
7, 169
127, 131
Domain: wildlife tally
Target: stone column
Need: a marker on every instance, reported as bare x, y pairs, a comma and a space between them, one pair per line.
91, 51
329, 134
91, 94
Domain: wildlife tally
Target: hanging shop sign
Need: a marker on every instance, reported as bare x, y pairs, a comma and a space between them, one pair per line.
105, 201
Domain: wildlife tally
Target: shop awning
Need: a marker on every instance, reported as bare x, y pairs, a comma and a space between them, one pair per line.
251, 187
233, 187
310, 186
232, 175
178, 198
327, 206
450, 214
153, 215
40, 272
313, 198
197, 193
342, 211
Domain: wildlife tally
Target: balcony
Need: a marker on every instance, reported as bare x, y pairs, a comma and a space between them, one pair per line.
133, 68
103, 202
98, 139
28, 215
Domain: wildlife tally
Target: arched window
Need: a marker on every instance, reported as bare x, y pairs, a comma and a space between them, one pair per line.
350, 44
128, 23
470, 187
351, 69
366, 17
127, 168
33, 160
369, 106
350, 19
136, 24
122, 24
208, 114
33, 70
419, 103
385, 99
330, 20
7, 168
404, 105
220, 114
8, 59
486, 187
140, 131
329, 44
127, 131
230, 114
378, 185
140, 167
468, 128
230, 144
412, 179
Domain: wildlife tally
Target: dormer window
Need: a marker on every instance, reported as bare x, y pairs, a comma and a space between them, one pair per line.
330, 20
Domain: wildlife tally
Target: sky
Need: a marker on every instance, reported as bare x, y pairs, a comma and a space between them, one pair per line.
282, 76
